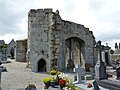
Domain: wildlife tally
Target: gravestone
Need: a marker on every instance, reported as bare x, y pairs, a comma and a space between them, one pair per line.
0, 77
96, 87
0, 56
100, 68
2, 67
118, 72
3, 56
79, 71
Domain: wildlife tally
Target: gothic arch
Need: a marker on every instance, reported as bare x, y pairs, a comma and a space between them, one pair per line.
41, 65
12, 52
75, 52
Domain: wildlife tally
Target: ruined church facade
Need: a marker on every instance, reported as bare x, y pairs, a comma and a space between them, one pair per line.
54, 43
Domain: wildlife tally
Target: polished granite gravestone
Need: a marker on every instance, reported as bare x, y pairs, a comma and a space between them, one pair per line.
118, 72
100, 68
96, 87
110, 84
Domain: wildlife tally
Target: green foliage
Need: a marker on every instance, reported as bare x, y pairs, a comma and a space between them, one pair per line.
58, 73
111, 51
3, 46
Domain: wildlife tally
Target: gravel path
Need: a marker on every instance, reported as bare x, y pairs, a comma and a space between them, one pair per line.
18, 77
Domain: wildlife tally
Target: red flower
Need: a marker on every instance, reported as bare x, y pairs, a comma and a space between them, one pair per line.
62, 82
89, 85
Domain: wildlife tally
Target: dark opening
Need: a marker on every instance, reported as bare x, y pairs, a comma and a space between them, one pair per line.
12, 52
42, 65
106, 58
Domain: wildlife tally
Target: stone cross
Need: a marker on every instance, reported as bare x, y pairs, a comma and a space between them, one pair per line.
79, 72
100, 68
99, 47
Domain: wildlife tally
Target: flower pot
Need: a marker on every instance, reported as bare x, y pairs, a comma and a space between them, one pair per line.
47, 86
61, 87
33, 88
52, 83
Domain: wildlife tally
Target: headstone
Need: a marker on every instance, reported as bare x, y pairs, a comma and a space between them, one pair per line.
3, 56
96, 87
0, 77
79, 71
100, 68
118, 72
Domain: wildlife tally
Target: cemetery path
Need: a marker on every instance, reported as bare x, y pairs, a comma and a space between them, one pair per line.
18, 77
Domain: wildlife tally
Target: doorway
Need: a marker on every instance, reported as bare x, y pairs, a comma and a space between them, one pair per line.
41, 65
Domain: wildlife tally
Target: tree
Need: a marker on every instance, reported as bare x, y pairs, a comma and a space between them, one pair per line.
3, 46
111, 51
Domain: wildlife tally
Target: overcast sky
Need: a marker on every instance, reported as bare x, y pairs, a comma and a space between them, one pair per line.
100, 16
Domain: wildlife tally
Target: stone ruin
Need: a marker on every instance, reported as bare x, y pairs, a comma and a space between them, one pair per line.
21, 49
54, 43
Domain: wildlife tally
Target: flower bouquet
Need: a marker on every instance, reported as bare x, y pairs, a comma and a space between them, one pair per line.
47, 82
62, 83
53, 72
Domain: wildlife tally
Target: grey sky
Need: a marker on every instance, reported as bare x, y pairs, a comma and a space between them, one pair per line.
100, 16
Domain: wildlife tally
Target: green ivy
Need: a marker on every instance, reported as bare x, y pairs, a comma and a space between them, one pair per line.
3, 46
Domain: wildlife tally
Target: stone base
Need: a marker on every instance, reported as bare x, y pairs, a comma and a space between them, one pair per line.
100, 71
111, 85
89, 77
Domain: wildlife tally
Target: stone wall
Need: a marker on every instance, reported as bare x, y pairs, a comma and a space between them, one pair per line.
48, 36
2, 42
3, 56
21, 49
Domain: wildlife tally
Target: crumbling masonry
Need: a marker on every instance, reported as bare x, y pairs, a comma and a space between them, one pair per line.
56, 43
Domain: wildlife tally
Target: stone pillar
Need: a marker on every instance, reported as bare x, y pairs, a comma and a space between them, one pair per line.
72, 50
63, 56
100, 68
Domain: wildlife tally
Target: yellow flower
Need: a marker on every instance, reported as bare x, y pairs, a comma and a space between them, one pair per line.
46, 80
53, 72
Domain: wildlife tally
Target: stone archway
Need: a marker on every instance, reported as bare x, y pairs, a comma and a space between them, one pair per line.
41, 65
75, 52
12, 53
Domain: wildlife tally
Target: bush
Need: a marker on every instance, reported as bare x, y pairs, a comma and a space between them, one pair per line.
3, 46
